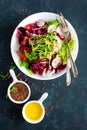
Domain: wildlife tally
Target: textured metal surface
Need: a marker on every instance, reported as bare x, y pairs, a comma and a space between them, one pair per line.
66, 107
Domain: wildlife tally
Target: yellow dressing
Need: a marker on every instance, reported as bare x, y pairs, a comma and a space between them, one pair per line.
33, 111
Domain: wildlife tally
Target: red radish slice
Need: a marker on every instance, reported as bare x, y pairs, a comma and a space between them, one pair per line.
49, 72
40, 23
44, 72
60, 36
56, 62
59, 30
52, 72
60, 33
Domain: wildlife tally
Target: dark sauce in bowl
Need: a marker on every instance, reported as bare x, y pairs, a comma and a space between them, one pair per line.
19, 91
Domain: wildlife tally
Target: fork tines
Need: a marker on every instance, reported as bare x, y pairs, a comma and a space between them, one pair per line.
64, 21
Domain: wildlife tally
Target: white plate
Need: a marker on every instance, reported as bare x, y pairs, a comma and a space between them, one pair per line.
47, 16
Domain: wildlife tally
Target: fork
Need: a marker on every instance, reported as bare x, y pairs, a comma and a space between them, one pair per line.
67, 34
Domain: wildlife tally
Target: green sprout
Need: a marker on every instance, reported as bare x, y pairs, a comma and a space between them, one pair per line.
13, 88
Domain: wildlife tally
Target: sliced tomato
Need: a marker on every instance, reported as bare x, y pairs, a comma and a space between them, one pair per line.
25, 40
24, 57
28, 26
21, 56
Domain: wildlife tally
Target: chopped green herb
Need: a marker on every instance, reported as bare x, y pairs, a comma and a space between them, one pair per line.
13, 88
23, 63
41, 46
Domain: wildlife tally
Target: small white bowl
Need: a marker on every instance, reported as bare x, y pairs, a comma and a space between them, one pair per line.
47, 16
40, 101
15, 80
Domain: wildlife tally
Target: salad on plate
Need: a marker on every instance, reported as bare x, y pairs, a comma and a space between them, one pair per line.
42, 47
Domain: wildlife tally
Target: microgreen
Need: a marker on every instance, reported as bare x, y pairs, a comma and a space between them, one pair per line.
13, 88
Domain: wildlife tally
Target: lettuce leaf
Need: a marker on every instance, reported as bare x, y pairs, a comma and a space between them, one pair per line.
62, 51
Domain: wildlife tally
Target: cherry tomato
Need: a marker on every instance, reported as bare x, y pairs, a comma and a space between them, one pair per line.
25, 40
22, 56
28, 26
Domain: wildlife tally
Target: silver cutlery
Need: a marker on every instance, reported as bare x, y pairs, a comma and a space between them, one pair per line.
67, 35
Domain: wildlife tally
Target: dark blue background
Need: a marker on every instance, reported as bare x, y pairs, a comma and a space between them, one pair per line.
66, 106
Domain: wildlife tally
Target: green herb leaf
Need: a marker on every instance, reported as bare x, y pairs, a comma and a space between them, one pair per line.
13, 88
23, 63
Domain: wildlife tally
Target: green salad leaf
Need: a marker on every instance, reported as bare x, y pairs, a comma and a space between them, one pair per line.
62, 51
54, 22
23, 63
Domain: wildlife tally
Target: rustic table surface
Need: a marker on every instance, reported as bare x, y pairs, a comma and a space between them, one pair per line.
66, 107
